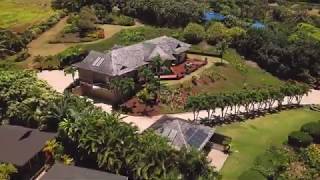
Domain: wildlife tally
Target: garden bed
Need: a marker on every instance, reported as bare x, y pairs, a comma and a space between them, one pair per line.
135, 107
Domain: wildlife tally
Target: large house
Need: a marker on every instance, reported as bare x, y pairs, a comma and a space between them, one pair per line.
99, 68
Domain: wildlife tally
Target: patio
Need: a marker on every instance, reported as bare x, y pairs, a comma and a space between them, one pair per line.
180, 70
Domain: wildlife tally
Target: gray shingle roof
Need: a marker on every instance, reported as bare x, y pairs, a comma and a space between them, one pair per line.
19, 144
182, 133
64, 172
121, 60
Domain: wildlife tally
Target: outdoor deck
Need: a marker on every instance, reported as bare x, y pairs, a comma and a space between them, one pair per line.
179, 71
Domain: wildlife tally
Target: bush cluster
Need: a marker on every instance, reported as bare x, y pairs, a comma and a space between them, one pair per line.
299, 139
313, 129
308, 134
216, 32
121, 20
194, 33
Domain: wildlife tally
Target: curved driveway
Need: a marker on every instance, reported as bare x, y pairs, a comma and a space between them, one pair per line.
59, 82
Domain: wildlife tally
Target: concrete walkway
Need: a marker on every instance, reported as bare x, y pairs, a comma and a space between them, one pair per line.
217, 158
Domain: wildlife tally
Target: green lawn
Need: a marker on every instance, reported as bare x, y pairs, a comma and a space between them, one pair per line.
230, 77
133, 35
253, 137
20, 14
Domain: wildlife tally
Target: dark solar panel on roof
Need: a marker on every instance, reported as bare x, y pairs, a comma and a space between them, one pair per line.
198, 138
190, 132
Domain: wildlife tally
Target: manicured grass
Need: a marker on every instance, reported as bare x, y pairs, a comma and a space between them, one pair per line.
232, 77
253, 137
20, 14
147, 32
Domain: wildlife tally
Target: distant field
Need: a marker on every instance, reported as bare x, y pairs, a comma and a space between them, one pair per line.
17, 15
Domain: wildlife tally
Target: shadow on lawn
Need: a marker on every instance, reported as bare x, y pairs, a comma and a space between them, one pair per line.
232, 118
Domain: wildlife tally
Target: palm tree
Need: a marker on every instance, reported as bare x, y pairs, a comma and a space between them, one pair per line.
6, 170
222, 46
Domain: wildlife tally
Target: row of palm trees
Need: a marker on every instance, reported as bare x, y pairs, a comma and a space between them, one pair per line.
247, 101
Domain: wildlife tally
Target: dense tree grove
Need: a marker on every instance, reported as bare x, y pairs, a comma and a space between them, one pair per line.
173, 12
272, 50
170, 12
247, 101
241, 8
95, 138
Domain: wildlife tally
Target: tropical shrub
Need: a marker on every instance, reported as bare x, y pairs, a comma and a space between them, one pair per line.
122, 20
299, 139
129, 36
86, 21
24, 100
6, 170
235, 33
216, 32
71, 56
313, 129
10, 43
46, 62
194, 33
312, 155
304, 29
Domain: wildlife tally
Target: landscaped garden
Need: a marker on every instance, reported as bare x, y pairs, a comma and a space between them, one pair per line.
252, 138
85, 131
283, 50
